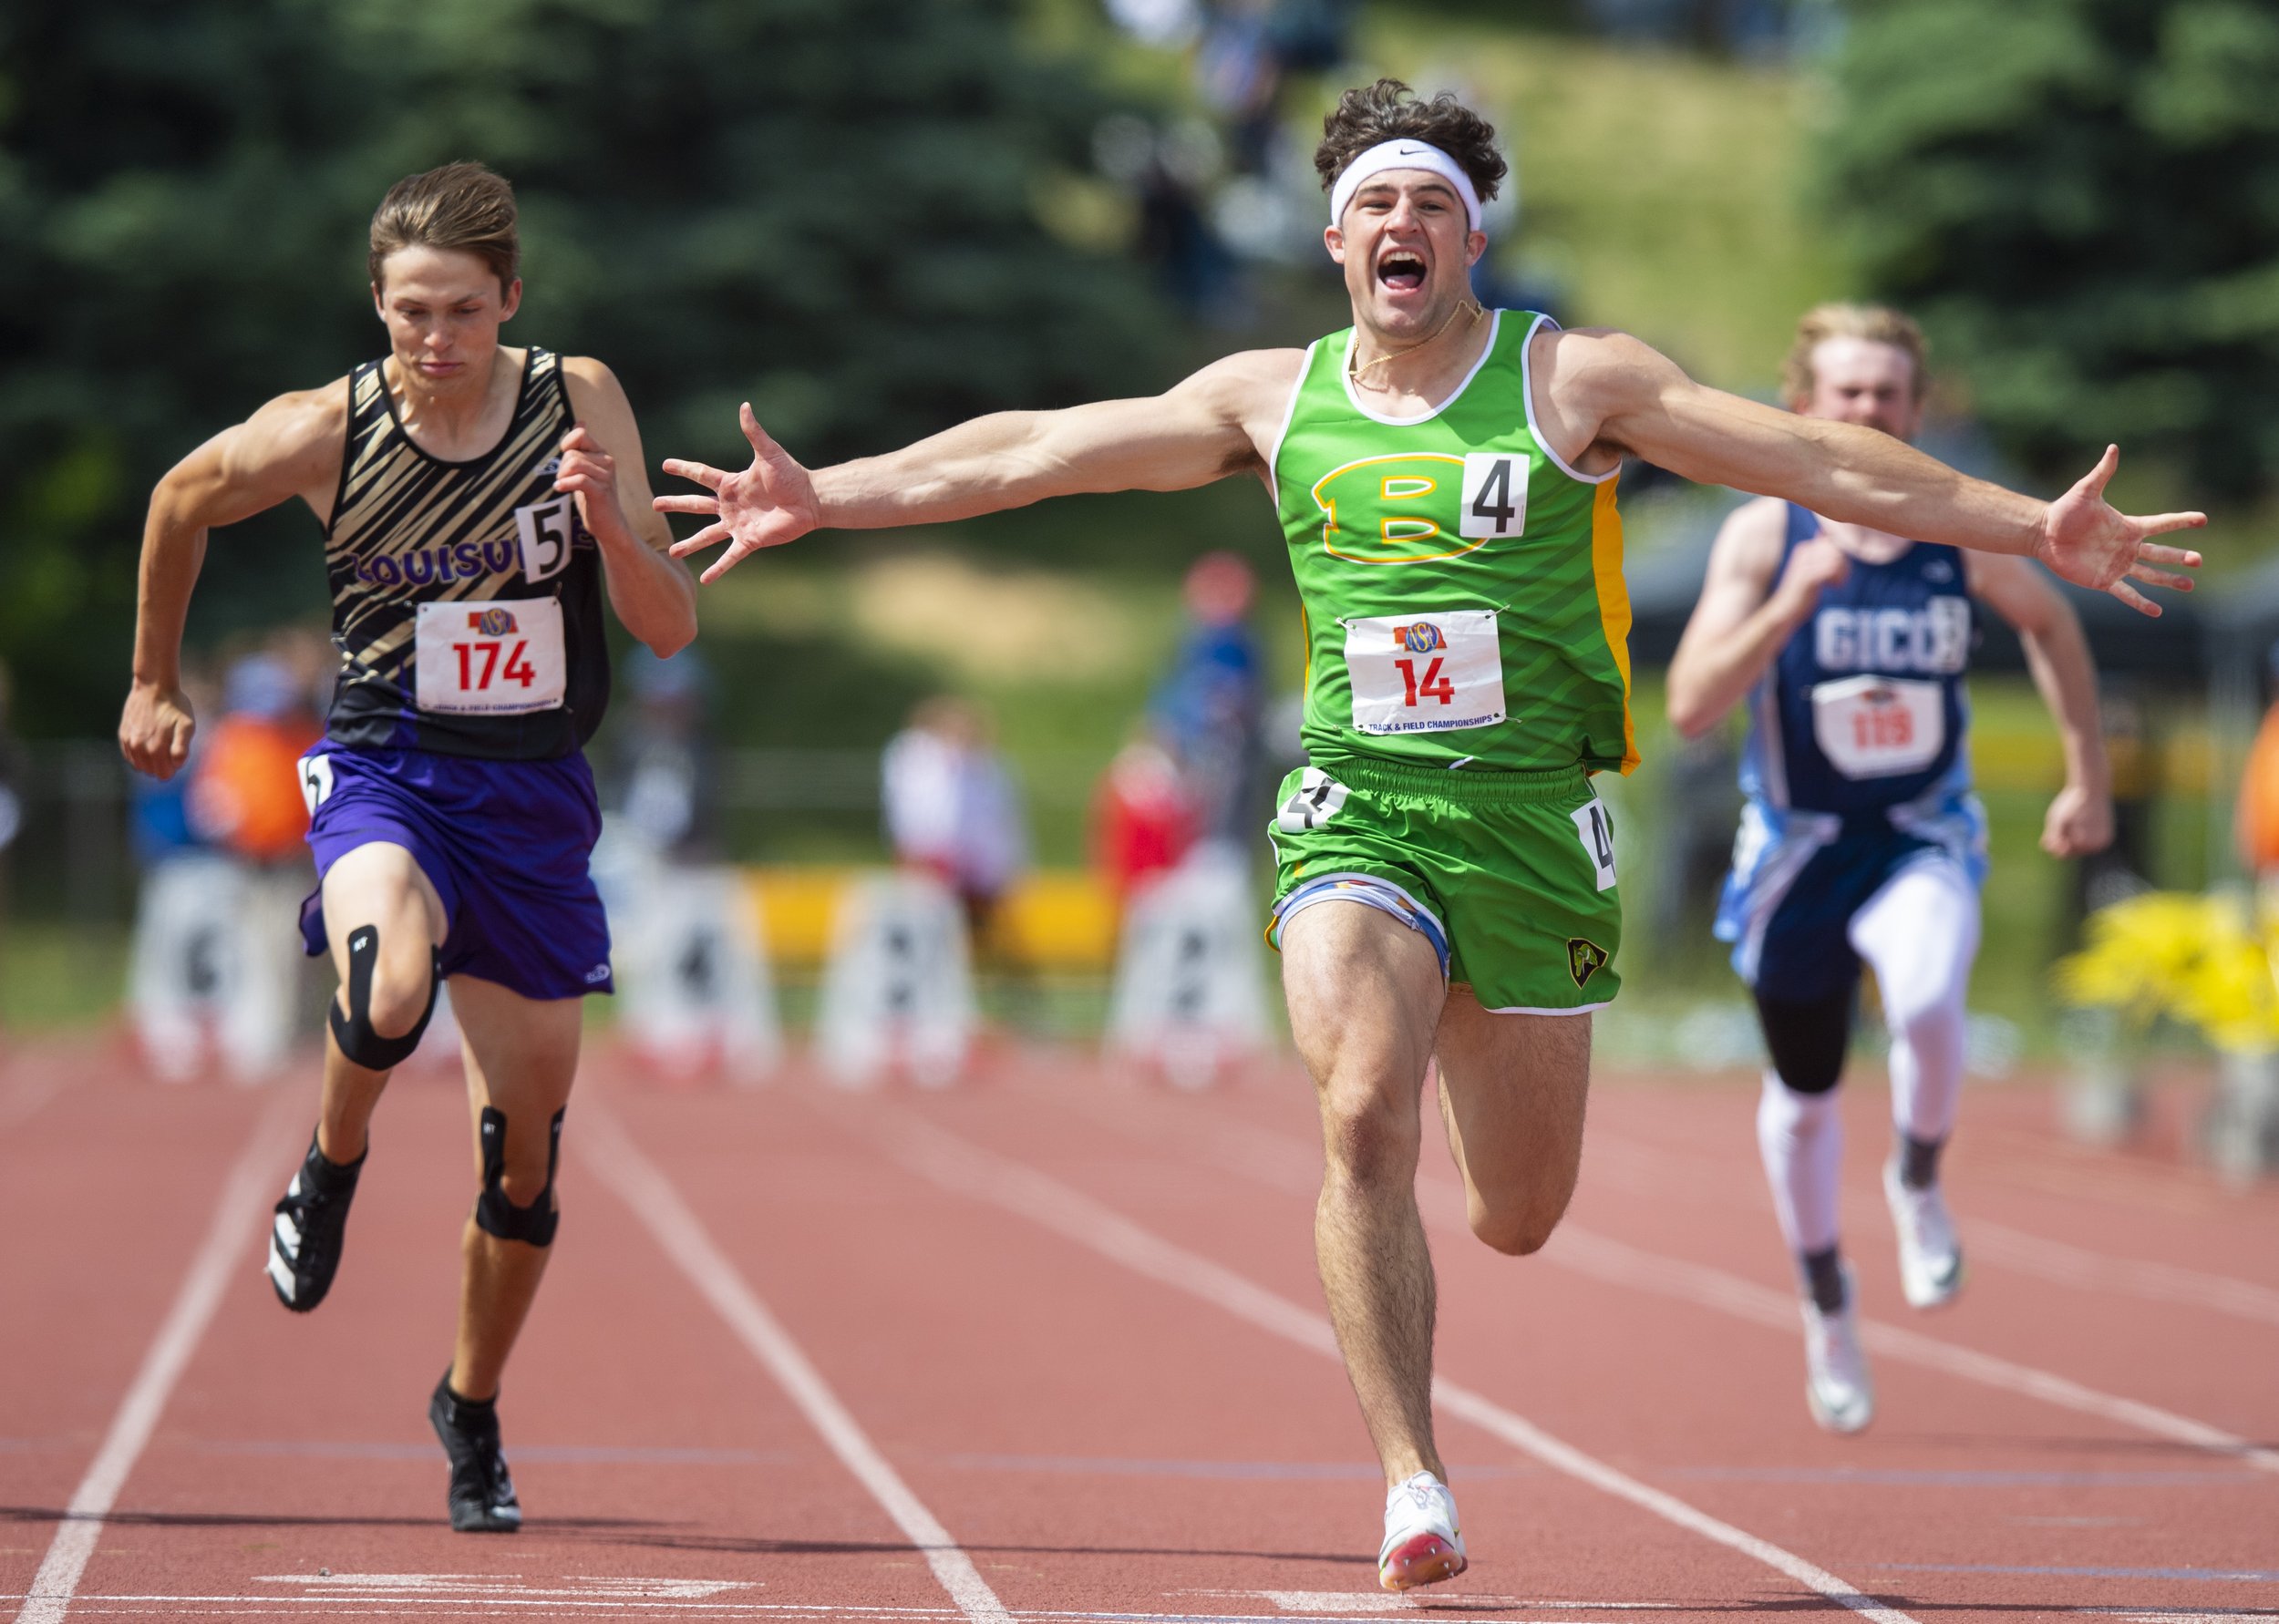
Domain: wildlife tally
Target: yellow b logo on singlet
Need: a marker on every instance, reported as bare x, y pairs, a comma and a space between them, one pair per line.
1398, 510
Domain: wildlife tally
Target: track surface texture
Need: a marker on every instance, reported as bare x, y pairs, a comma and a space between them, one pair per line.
1049, 1345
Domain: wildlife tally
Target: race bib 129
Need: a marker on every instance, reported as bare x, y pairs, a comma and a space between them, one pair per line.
498, 657
1426, 672
1879, 727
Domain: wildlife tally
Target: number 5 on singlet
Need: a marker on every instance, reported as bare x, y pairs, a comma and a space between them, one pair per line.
548, 531
500, 656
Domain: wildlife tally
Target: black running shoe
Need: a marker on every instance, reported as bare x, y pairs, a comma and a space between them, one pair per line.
482, 1495
312, 1220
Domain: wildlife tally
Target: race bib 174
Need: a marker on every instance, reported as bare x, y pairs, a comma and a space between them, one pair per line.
1426, 672
502, 656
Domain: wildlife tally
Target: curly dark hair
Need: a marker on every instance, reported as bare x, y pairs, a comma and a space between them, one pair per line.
1389, 110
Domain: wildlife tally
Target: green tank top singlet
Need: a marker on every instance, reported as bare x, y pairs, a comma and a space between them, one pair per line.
1462, 586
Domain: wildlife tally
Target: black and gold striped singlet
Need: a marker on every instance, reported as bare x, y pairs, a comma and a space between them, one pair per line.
414, 537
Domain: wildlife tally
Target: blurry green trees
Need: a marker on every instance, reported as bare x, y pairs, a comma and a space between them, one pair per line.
2080, 198
821, 205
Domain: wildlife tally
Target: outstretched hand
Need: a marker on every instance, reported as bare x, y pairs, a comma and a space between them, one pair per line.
769, 503
2088, 541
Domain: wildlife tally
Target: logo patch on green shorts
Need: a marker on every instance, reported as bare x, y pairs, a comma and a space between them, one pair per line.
1584, 959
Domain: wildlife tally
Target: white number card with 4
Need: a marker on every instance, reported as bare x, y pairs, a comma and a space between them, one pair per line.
501, 657
1429, 672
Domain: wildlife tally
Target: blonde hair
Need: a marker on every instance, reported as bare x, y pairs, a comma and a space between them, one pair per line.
1878, 323
461, 205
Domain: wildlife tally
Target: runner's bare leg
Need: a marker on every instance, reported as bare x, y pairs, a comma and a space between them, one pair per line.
1365, 995
378, 884
522, 1057
1512, 1090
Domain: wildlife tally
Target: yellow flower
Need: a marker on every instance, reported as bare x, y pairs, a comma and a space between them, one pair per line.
2198, 959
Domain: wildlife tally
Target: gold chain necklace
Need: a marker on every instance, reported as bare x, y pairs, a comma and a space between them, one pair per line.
1472, 306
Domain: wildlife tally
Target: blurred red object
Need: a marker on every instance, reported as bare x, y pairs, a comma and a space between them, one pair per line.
1142, 821
2257, 826
246, 797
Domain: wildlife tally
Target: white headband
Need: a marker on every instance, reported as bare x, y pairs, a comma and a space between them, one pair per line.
1402, 155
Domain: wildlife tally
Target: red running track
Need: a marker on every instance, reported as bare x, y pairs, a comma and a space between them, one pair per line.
1048, 1346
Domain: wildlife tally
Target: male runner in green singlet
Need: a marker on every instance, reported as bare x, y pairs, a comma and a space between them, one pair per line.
1446, 478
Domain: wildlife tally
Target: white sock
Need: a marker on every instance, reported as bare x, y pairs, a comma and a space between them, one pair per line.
1920, 935
1802, 1138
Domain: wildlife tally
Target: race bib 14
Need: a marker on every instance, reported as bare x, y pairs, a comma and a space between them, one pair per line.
1427, 672
501, 657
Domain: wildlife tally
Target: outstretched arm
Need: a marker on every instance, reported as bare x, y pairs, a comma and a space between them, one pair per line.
1604, 387
1743, 619
1219, 422
2080, 819
292, 447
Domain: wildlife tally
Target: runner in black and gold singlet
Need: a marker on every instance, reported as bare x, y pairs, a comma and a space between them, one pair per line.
475, 517
413, 535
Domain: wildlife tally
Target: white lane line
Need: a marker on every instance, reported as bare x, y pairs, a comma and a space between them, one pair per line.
684, 1239
1285, 1163
1638, 1164
1388, 1601
441, 1608
2069, 1265
960, 1166
236, 1224
1604, 1259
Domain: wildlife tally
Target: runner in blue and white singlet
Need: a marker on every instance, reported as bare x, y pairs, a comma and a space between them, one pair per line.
1860, 839
1856, 766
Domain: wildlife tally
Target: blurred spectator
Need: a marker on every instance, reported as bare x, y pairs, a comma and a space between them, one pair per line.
951, 805
1207, 708
11, 767
159, 816
2257, 822
11, 790
1702, 805
1249, 50
2132, 744
1195, 268
245, 793
669, 771
1142, 821
309, 655
1752, 28
1164, 24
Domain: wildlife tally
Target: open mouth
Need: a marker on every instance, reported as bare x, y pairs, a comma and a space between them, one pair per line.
1401, 270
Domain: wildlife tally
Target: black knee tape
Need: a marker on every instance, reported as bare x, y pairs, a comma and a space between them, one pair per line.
494, 1214
352, 1032
1807, 1041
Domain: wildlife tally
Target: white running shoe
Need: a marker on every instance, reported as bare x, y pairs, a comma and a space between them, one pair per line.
1836, 1381
1422, 1545
1930, 1257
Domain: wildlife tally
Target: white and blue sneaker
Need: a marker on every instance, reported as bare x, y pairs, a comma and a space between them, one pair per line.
1422, 1544
1930, 1257
1836, 1381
